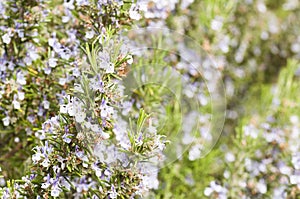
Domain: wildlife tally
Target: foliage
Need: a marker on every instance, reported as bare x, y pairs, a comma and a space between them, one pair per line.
127, 99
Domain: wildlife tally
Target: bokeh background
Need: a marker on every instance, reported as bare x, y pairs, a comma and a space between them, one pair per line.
252, 47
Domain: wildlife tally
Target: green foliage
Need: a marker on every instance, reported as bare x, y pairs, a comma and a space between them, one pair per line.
253, 45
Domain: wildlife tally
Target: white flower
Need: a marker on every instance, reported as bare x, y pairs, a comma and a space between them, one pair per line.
62, 81
296, 161
71, 110
133, 14
82, 2
150, 180
229, 157
112, 193
285, 170
80, 116
186, 3
37, 157
6, 121
47, 70
45, 163
195, 152
66, 138
261, 7
104, 135
21, 95
295, 47
85, 165
106, 110
214, 187
261, 186
6, 38
52, 62
279, 193
33, 55
55, 191
17, 139
76, 72
294, 179
89, 34
46, 104
130, 59
65, 53
51, 41
16, 104
294, 119
97, 170
21, 78
3, 66
87, 125
250, 130
20, 33
217, 24
208, 191
65, 19
105, 62
45, 185
63, 109
69, 4
110, 68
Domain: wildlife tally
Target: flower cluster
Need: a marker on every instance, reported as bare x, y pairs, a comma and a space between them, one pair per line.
97, 97
253, 171
75, 131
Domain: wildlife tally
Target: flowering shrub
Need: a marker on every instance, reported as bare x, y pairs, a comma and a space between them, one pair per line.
268, 167
81, 148
101, 99
41, 53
